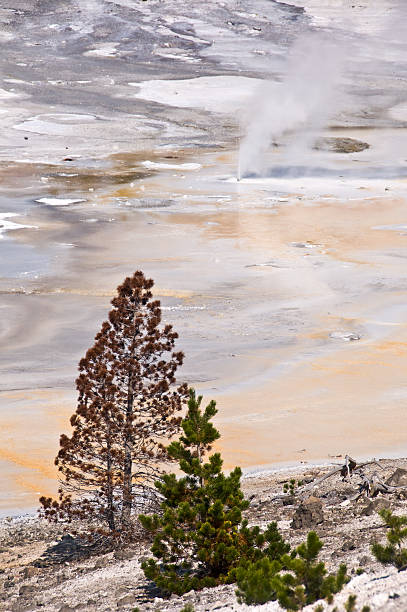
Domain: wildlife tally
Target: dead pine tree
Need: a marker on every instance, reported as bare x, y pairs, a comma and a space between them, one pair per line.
127, 404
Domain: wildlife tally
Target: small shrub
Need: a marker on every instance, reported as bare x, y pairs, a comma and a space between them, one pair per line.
350, 605
253, 576
294, 580
188, 608
290, 486
256, 581
306, 580
393, 553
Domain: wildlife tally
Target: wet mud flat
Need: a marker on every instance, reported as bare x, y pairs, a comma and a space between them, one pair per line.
261, 294
287, 290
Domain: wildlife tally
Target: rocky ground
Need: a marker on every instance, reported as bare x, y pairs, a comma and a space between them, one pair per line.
115, 581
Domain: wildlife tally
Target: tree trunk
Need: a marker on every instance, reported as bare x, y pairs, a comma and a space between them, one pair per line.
198, 448
128, 453
110, 517
109, 492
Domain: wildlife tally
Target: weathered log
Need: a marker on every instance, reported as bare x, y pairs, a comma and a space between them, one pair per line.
348, 467
371, 486
346, 470
373, 461
315, 483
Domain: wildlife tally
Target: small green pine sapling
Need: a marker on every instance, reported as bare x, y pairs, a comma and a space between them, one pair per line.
253, 574
306, 579
350, 604
200, 538
295, 580
291, 486
256, 581
393, 553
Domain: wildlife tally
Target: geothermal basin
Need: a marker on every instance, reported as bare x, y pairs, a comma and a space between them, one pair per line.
122, 131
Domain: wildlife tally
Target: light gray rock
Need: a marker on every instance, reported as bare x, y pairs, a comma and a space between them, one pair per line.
124, 554
27, 590
126, 601
398, 478
30, 571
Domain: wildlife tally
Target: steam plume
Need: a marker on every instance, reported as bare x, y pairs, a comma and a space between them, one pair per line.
302, 102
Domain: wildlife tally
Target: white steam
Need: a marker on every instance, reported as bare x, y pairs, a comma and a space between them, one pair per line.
300, 104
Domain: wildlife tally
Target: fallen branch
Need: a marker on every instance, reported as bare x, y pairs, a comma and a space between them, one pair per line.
345, 470
371, 486
374, 485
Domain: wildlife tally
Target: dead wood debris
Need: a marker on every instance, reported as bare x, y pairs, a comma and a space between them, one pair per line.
370, 485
